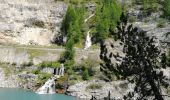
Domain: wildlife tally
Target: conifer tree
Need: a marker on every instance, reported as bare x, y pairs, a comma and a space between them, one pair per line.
72, 29
108, 14
141, 63
70, 17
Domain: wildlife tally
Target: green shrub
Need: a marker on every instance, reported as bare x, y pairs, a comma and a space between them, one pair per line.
94, 86
88, 66
166, 9
25, 64
132, 19
56, 64
70, 44
38, 23
36, 72
62, 79
50, 64
70, 71
14, 64
85, 75
148, 6
161, 23
69, 64
91, 65
45, 64
153, 5
68, 55
43, 77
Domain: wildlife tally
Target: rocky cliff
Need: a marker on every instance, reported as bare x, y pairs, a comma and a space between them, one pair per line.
30, 21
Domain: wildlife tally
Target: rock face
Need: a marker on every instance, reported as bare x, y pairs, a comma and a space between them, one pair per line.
116, 88
153, 30
150, 23
23, 55
10, 82
30, 21
48, 70
10, 55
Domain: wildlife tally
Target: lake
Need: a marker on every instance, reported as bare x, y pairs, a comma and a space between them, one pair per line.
20, 94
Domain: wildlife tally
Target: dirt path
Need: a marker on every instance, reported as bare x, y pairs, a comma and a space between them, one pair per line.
47, 48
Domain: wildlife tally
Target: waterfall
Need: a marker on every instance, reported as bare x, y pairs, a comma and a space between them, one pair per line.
61, 71
88, 42
88, 18
47, 88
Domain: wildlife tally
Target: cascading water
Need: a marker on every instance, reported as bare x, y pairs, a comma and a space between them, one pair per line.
47, 88
88, 42
61, 71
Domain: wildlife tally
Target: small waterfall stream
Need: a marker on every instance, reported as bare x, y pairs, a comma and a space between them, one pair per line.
49, 86
88, 41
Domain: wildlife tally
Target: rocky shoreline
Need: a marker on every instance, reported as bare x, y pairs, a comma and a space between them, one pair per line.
116, 88
82, 90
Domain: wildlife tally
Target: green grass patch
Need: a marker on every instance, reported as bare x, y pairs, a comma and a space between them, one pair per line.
47, 64
94, 86
62, 79
42, 78
79, 45
7, 70
35, 53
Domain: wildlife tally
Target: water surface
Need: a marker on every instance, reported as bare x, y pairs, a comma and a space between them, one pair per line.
20, 94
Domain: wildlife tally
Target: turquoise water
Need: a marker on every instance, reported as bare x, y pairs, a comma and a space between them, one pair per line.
20, 94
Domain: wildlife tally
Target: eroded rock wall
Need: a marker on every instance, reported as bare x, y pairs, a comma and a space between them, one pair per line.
30, 21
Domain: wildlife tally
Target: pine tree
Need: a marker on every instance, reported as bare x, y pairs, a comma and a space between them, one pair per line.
107, 15
140, 65
70, 17
72, 29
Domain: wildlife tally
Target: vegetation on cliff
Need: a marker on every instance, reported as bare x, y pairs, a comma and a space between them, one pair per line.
107, 15
166, 9
72, 30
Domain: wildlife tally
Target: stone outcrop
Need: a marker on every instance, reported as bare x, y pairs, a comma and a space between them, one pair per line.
19, 56
150, 23
8, 82
116, 88
153, 30
30, 21
10, 55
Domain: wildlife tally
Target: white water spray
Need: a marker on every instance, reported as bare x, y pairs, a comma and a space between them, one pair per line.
88, 42
47, 88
